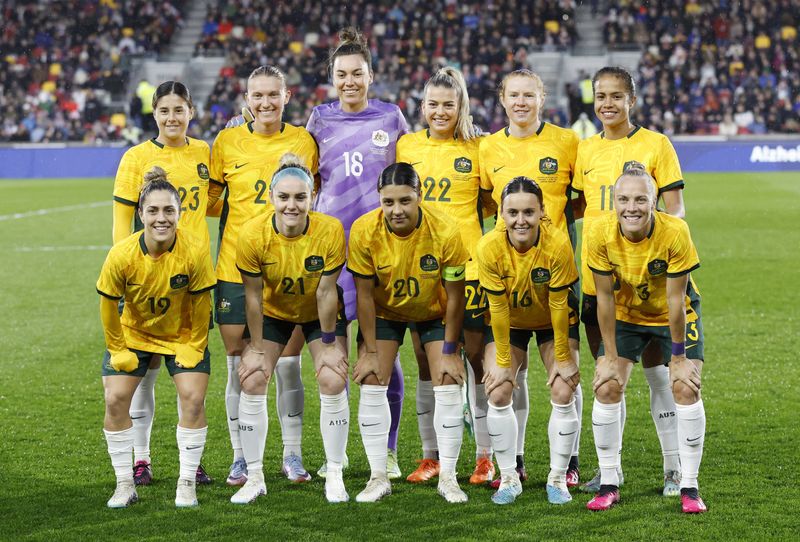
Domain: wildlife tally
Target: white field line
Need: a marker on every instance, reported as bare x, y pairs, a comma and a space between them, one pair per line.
63, 248
67, 208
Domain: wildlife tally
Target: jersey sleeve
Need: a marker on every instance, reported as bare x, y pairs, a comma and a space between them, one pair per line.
311, 125
577, 177
597, 258
488, 275
455, 254
111, 283
667, 171
128, 181
572, 152
334, 259
683, 256
402, 125
563, 271
402, 152
217, 169
248, 259
309, 151
483, 152
203, 278
359, 257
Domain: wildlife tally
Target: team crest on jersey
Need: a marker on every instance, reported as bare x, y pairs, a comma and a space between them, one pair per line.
657, 267
463, 165
428, 263
224, 306
380, 138
178, 281
548, 165
202, 171
540, 275
314, 263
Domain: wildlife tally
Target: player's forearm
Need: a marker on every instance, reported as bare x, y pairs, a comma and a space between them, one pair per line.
559, 319
454, 312
112, 326
122, 217
606, 313
201, 311
365, 312
215, 190
254, 313
676, 302
327, 306
501, 328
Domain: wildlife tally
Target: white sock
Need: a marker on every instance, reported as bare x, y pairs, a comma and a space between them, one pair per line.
662, 409
143, 407
373, 420
426, 407
503, 431
562, 430
605, 423
623, 414
232, 391
334, 424
480, 408
579, 413
691, 435
449, 423
120, 446
253, 424
191, 443
521, 403
290, 401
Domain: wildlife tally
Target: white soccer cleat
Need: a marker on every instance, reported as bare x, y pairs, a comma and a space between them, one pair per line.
124, 495
377, 488
449, 489
672, 483
251, 490
334, 487
186, 494
322, 471
392, 466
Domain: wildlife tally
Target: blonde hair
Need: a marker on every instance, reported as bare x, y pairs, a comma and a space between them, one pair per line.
523, 72
639, 171
290, 161
450, 77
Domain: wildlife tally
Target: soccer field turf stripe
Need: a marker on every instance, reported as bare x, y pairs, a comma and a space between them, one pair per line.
67, 208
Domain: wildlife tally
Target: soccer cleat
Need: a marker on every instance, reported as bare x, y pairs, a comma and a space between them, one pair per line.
521, 473
186, 494
250, 491
573, 477
392, 467
334, 487
428, 468
484, 471
377, 488
202, 477
294, 470
603, 500
509, 489
238, 473
593, 485
556, 495
142, 473
323, 470
124, 495
449, 489
672, 483
691, 503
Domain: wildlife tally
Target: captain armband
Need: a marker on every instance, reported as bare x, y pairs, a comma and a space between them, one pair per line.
454, 273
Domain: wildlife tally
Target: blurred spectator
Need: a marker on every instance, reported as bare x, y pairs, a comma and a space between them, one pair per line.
584, 127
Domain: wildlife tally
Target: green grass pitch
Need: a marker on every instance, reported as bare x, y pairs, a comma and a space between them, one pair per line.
55, 475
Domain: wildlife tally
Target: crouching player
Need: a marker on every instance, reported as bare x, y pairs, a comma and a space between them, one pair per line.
289, 259
641, 261
409, 263
526, 270
165, 277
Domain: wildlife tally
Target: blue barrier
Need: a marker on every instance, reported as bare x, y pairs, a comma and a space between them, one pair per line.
696, 155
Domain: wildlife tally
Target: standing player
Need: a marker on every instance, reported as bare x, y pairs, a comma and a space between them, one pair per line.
409, 264
546, 154
527, 270
641, 261
243, 161
289, 260
185, 161
165, 277
445, 155
601, 159
356, 138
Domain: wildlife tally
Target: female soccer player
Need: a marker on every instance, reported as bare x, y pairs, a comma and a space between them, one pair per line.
641, 261
165, 278
409, 263
445, 155
185, 161
601, 159
289, 259
242, 162
357, 138
527, 270
546, 154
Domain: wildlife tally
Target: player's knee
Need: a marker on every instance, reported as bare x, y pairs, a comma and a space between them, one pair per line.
501, 396
683, 394
560, 392
255, 384
117, 402
192, 404
330, 383
609, 392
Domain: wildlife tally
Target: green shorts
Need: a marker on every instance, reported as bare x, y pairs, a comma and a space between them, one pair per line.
633, 338
280, 331
229, 306
476, 307
144, 361
392, 330
521, 337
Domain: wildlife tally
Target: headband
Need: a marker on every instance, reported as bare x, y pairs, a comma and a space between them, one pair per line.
294, 172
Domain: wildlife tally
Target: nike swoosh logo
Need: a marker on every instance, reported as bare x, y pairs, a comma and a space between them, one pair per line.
270, 263
587, 171
458, 274
602, 424
233, 419
497, 435
194, 447
694, 439
296, 414
423, 413
137, 417
498, 168
691, 346
382, 267
567, 434
478, 315
237, 166
328, 139
415, 163
370, 424
480, 417
451, 426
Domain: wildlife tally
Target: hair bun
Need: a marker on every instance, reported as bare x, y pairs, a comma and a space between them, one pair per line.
155, 174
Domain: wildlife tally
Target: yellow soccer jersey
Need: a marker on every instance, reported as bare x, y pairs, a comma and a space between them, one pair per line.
291, 268
187, 170
527, 279
450, 176
547, 157
244, 161
641, 269
157, 313
407, 270
601, 161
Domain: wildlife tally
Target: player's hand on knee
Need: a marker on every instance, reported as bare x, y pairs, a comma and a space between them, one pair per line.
187, 357
684, 371
366, 365
453, 366
334, 360
252, 361
496, 377
125, 361
606, 371
568, 371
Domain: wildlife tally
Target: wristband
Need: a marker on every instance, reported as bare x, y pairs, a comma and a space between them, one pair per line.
328, 337
678, 349
449, 347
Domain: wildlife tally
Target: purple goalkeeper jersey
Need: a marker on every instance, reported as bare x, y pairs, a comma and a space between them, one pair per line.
354, 148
